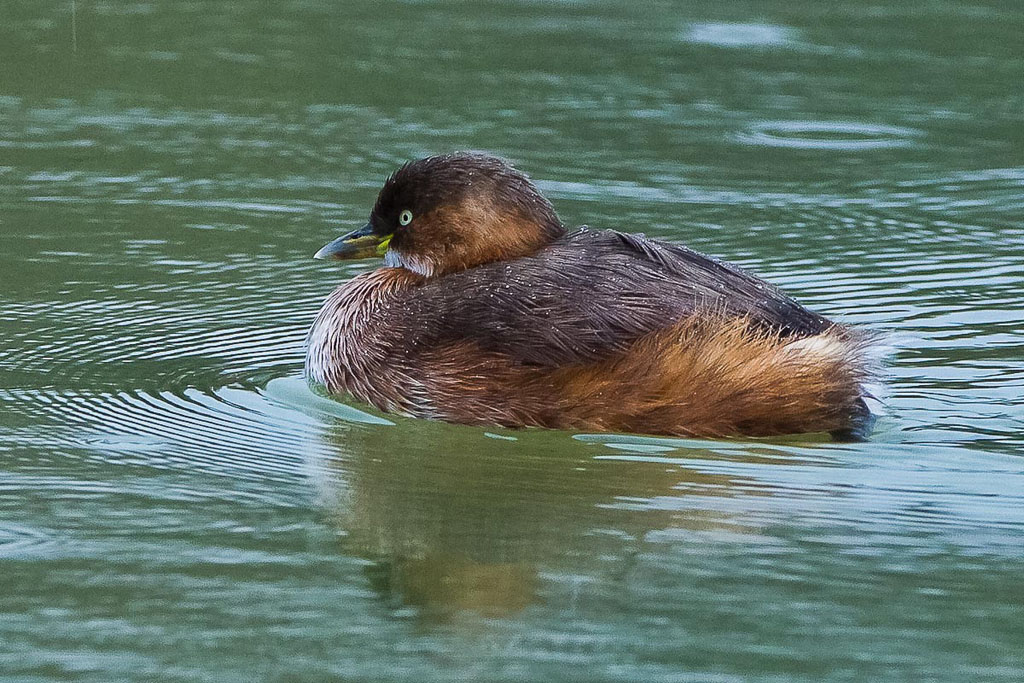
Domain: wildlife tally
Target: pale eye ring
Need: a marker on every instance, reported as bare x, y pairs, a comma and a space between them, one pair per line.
405, 218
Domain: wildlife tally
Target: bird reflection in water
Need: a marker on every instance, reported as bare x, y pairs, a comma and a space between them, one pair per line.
458, 521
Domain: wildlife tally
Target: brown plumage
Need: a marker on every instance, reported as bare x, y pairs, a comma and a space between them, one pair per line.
487, 312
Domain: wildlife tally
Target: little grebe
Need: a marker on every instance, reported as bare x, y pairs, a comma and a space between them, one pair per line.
488, 312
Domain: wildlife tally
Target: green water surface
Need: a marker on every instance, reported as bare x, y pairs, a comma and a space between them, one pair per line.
175, 505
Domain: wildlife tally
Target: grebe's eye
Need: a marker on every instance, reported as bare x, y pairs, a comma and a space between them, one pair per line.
405, 218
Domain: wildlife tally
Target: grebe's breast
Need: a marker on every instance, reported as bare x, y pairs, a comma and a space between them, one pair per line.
348, 348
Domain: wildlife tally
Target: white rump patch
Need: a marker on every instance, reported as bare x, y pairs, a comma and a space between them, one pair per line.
819, 346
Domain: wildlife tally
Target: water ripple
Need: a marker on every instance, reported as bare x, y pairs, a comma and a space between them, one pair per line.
18, 539
739, 35
830, 135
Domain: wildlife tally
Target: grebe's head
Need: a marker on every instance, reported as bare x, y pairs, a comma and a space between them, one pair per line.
447, 213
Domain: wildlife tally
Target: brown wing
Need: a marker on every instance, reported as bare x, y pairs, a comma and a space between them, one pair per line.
587, 297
